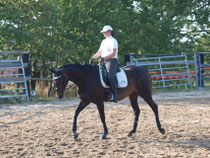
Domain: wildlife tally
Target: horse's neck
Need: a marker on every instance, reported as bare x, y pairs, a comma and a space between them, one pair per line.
80, 75
77, 76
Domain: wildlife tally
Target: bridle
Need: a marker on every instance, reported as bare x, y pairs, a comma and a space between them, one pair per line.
55, 79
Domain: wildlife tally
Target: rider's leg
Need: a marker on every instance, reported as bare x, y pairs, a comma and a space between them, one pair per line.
112, 66
113, 85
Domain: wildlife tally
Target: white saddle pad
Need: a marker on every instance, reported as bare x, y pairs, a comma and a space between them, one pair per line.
121, 77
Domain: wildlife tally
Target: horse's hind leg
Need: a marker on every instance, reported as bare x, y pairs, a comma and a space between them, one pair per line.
80, 107
133, 100
154, 107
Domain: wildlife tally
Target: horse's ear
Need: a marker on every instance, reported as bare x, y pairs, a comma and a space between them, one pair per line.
53, 71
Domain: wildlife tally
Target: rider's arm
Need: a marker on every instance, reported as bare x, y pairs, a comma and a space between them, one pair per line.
97, 54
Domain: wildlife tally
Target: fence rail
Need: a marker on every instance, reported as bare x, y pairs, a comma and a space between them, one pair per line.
41, 79
167, 69
12, 71
13, 52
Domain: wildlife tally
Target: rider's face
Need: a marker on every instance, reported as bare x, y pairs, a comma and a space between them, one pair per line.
107, 33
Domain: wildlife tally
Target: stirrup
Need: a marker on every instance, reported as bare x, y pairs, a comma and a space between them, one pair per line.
112, 98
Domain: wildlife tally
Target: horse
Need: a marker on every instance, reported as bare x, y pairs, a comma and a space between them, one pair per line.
90, 90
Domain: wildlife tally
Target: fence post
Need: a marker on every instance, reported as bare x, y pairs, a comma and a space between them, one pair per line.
196, 69
27, 69
188, 72
200, 71
161, 70
126, 59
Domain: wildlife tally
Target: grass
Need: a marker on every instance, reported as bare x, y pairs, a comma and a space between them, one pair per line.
180, 89
32, 100
11, 100
36, 99
48, 99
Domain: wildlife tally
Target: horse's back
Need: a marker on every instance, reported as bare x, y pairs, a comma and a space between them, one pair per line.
136, 70
139, 77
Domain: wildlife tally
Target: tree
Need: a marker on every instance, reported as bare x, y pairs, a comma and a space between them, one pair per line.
58, 32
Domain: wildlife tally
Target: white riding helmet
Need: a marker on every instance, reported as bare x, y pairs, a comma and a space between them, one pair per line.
106, 28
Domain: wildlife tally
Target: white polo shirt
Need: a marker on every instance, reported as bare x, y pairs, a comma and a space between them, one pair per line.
107, 45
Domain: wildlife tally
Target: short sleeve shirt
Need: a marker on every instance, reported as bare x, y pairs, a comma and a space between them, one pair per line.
107, 45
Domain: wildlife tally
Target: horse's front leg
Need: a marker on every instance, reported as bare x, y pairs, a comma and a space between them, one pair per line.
100, 107
80, 107
134, 104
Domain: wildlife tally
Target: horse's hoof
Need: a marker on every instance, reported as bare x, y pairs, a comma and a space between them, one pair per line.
130, 133
103, 136
162, 131
75, 135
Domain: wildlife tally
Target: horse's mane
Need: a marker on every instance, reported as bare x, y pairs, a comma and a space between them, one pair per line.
80, 66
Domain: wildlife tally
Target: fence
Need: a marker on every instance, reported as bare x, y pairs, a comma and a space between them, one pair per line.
14, 71
203, 67
166, 70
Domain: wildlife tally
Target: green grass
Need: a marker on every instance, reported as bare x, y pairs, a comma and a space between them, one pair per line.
34, 99
47, 99
12, 100
175, 89
51, 99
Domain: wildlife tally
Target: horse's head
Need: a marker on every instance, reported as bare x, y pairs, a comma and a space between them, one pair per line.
60, 82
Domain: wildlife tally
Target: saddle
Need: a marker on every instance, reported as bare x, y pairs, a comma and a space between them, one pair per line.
120, 77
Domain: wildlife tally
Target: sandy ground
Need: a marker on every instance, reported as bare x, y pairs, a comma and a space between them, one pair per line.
44, 129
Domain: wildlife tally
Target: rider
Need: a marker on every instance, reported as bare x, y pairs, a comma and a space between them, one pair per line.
108, 52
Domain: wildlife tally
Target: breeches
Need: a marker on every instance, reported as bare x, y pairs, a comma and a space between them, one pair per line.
111, 67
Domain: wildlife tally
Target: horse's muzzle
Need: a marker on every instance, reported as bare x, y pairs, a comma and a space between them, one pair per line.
60, 97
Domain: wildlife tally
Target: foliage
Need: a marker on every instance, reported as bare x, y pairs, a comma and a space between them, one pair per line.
57, 32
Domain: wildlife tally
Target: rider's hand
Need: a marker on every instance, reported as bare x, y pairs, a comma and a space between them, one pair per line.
91, 61
101, 59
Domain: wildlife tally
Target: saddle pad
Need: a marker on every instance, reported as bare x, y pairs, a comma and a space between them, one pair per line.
121, 77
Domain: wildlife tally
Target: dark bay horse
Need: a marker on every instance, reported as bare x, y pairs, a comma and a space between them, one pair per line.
87, 78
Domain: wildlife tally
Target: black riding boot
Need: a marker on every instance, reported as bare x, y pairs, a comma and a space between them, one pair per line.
113, 85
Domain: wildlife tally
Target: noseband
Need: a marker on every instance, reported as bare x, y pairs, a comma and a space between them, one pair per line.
55, 79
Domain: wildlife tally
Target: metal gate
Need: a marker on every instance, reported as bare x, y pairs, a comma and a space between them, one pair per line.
166, 70
13, 73
203, 68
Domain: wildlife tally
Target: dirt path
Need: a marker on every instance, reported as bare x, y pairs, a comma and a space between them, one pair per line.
44, 129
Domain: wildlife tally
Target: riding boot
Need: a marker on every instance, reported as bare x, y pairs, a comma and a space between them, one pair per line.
113, 85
